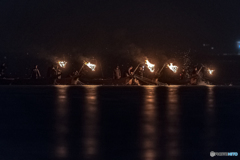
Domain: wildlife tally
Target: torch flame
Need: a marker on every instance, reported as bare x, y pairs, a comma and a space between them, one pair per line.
150, 65
173, 68
210, 71
62, 64
90, 65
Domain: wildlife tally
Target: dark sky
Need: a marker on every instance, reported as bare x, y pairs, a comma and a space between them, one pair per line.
48, 24
55, 27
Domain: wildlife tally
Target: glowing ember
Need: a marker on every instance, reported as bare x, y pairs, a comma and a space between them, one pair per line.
62, 64
90, 65
173, 68
150, 65
210, 71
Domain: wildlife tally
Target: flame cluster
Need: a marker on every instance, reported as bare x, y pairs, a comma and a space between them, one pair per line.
210, 71
62, 64
150, 66
173, 68
90, 65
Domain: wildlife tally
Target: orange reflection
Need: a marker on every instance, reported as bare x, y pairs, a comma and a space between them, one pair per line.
61, 125
210, 98
210, 120
149, 132
172, 145
90, 123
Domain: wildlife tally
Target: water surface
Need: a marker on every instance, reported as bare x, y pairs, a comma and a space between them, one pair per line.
118, 123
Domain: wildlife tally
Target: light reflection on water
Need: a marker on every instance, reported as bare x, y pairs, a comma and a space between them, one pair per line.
172, 123
90, 124
149, 134
61, 123
90, 138
153, 136
118, 122
210, 120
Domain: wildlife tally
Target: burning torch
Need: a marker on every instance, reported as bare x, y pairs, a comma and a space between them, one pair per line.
210, 71
90, 65
173, 68
150, 66
62, 64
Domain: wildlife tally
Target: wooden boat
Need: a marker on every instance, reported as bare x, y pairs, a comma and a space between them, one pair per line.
77, 81
83, 81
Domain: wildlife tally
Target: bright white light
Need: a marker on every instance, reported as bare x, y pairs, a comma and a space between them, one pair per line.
62, 64
150, 65
210, 71
90, 65
173, 68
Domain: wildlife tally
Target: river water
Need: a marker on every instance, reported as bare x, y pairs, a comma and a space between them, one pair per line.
118, 123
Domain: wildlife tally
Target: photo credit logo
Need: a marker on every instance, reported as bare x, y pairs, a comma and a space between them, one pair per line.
213, 154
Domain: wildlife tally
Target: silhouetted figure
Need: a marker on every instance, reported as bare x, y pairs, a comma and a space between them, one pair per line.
75, 78
52, 73
140, 72
59, 72
35, 73
49, 71
129, 72
194, 72
76, 73
117, 73
195, 78
182, 74
2, 70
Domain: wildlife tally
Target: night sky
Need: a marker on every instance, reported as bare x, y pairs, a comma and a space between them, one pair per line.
42, 31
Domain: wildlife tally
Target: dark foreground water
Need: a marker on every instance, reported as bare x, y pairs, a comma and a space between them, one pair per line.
118, 123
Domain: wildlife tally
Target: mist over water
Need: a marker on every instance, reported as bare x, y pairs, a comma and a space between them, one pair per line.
127, 122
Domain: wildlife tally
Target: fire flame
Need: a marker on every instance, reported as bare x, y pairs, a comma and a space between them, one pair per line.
173, 68
150, 66
90, 65
62, 64
210, 71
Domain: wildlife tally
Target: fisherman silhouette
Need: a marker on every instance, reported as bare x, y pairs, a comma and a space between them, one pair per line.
35, 73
